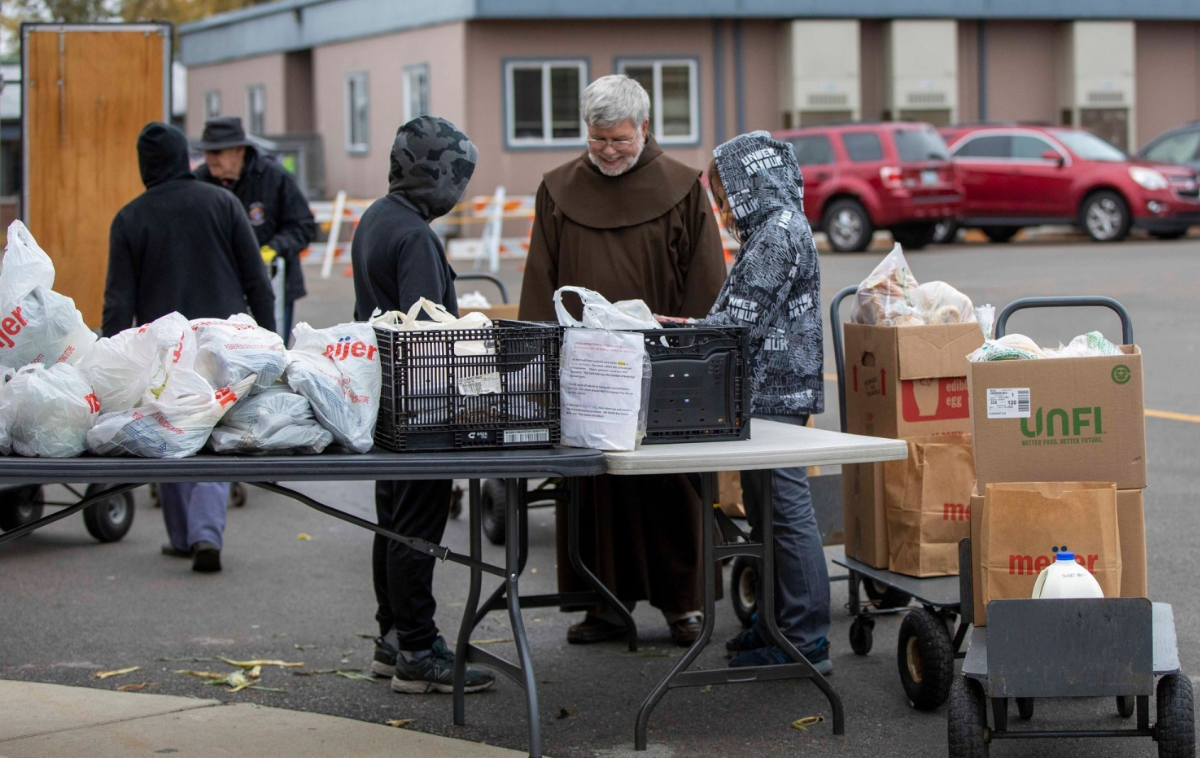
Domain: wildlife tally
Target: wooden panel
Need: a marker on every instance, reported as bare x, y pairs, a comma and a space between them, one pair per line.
82, 145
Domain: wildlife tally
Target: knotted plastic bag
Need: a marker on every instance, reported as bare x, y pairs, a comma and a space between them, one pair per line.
337, 369
48, 411
229, 350
276, 420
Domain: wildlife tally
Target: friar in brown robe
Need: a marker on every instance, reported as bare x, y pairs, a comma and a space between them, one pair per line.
648, 233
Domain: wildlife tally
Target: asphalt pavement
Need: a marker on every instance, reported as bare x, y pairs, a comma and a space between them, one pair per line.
297, 587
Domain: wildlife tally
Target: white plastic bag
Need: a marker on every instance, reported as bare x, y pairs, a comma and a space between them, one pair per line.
439, 320
599, 313
229, 350
37, 325
338, 370
123, 367
602, 381
276, 420
882, 296
5, 437
49, 411
174, 425
938, 303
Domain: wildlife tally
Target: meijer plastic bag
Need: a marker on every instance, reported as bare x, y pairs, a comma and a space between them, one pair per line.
121, 368
49, 411
337, 369
276, 420
37, 325
229, 350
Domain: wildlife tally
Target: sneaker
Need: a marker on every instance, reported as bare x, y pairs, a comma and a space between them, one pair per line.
773, 656
435, 673
386, 651
747, 639
206, 558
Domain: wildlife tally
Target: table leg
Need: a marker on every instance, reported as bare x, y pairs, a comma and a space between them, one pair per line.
469, 612
707, 488
493, 601
512, 560
606, 595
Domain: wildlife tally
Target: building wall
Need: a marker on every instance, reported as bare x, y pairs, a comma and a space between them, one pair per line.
968, 71
384, 58
1022, 63
298, 110
601, 44
231, 79
1167, 76
872, 46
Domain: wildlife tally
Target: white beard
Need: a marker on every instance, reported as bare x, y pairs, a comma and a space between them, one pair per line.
621, 167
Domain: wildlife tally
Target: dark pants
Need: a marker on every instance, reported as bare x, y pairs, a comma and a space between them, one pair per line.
404, 577
801, 577
285, 329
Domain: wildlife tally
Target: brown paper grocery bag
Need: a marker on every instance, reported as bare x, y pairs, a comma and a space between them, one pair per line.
927, 497
1026, 523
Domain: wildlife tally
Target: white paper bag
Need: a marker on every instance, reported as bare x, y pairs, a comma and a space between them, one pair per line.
602, 378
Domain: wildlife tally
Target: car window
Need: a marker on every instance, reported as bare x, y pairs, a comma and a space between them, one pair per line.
1175, 148
914, 145
994, 146
864, 146
813, 150
1029, 148
1090, 147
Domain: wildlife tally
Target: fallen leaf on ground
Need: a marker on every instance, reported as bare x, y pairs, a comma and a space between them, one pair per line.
252, 664
804, 723
260, 688
706, 689
135, 687
399, 722
117, 672
494, 641
202, 674
303, 537
368, 635
357, 676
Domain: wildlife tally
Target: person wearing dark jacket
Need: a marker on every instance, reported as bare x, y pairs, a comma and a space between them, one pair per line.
183, 246
398, 259
277, 209
774, 289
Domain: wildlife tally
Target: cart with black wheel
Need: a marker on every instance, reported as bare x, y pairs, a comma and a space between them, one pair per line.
107, 520
926, 649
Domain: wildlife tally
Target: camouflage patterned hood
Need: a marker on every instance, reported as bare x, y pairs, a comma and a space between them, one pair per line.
432, 161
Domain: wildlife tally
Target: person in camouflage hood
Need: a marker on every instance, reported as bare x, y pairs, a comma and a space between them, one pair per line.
774, 289
398, 259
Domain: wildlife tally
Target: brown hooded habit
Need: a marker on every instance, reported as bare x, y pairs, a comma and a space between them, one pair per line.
648, 234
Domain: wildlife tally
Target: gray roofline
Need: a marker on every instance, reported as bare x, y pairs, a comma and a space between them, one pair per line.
302, 24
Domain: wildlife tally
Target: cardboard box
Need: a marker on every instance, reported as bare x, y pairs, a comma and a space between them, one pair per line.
1060, 419
500, 311
907, 381
1131, 527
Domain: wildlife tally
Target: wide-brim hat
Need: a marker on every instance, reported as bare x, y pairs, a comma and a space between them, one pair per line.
223, 132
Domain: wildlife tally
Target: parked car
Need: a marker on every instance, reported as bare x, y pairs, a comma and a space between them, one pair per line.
1024, 175
867, 176
1181, 146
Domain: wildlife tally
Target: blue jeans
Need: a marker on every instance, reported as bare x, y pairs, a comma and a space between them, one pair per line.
801, 577
194, 512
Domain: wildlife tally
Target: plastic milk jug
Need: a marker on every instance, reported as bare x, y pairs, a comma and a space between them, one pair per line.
1065, 578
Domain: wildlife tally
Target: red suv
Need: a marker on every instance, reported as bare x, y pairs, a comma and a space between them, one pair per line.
1016, 176
860, 177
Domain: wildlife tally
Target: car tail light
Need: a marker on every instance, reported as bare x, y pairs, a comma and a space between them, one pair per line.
891, 176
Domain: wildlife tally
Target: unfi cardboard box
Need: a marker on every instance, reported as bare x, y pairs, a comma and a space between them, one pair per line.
1060, 419
1131, 528
907, 381
506, 311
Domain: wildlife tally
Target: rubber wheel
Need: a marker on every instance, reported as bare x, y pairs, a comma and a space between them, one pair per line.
1000, 233
492, 499
155, 500
945, 232
966, 720
1025, 708
925, 656
848, 226
1173, 234
1105, 217
743, 589
109, 520
914, 236
1126, 705
237, 495
456, 501
862, 635
1176, 727
21, 506
885, 597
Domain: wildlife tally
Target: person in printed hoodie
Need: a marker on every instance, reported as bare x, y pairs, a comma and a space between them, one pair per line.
774, 289
397, 260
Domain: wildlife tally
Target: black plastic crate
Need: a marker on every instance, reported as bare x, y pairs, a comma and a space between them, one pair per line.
423, 406
699, 386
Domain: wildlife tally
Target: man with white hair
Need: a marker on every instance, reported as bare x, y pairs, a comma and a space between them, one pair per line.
629, 222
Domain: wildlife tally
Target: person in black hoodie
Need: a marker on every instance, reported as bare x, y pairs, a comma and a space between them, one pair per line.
183, 246
282, 221
397, 259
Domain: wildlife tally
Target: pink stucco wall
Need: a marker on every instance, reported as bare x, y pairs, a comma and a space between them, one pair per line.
231, 79
1167, 77
1022, 70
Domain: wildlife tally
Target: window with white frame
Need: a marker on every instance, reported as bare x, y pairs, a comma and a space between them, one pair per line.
542, 107
212, 104
674, 97
357, 111
416, 91
256, 109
